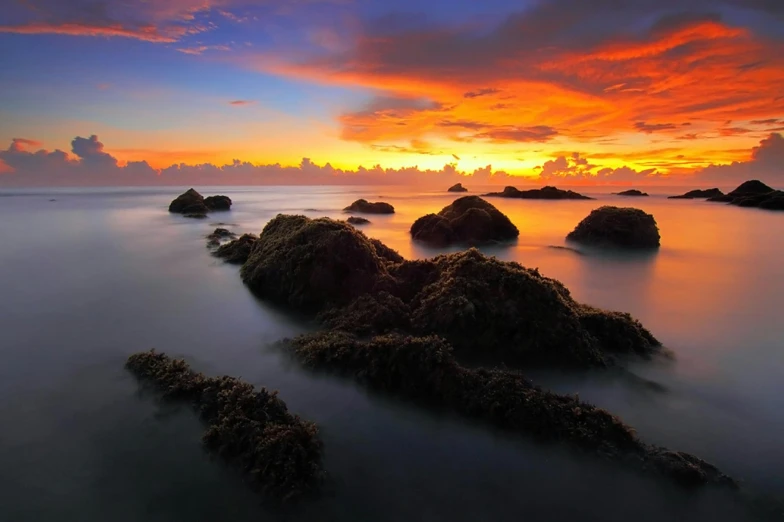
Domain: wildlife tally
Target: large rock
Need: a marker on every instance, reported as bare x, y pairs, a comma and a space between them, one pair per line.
457, 187
468, 220
193, 204
754, 193
617, 227
632, 192
218, 203
547, 192
365, 207
700, 194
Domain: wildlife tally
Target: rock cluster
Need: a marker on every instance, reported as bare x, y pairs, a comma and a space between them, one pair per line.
754, 193
192, 204
542, 193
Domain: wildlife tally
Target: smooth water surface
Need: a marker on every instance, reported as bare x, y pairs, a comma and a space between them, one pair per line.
96, 275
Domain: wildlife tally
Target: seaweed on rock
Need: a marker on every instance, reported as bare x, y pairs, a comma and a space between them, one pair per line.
468, 220
424, 368
617, 227
238, 251
279, 453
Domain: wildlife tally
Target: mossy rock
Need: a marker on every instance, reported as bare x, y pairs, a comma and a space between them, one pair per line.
237, 251
191, 202
617, 227
468, 220
365, 207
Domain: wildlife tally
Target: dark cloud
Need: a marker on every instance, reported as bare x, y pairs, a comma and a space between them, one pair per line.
481, 92
765, 164
649, 128
507, 134
770, 121
456, 157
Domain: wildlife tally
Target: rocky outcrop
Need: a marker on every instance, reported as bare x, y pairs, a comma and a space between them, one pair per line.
192, 204
218, 235
542, 193
754, 193
280, 454
457, 187
356, 220
617, 227
632, 193
469, 220
700, 194
365, 207
238, 251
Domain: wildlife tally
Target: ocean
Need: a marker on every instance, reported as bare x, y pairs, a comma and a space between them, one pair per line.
90, 276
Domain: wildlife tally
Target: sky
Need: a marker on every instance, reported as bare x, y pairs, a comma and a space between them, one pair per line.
627, 92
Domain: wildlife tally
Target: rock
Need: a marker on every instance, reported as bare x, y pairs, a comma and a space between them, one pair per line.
754, 193
632, 192
542, 193
251, 429
457, 187
365, 207
468, 220
195, 215
214, 239
700, 194
237, 251
354, 220
617, 227
191, 202
424, 369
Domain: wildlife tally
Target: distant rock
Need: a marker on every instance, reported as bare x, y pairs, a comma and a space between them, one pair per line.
468, 220
365, 207
214, 239
632, 192
542, 193
457, 187
192, 204
754, 193
617, 227
700, 194
237, 251
195, 215
355, 220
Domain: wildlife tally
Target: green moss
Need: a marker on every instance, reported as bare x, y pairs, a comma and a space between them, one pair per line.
237, 251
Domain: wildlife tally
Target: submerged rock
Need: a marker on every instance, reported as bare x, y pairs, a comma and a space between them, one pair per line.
192, 204
365, 207
280, 454
195, 215
617, 227
632, 192
468, 220
237, 251
542, 193
457, 187
700, 194
424, 368
218, 235
754, 193
355, 220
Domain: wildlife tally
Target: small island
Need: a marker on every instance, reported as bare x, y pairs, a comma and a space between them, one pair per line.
469, 220
547, 192
457, 187
632, 193
754, 193
363, 206
700, 194
193, 205
617, 227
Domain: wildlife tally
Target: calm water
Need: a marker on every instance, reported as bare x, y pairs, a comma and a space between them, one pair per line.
92, 277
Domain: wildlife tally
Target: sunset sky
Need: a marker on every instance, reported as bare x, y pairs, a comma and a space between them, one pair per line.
626, 91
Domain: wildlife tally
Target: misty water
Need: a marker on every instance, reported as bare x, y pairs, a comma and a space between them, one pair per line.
95, 275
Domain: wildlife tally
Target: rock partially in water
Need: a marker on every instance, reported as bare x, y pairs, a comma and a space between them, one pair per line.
700, 194
238, 251
423, 368
457, 187
468, 220
617, 227
187, 199
192, 204
365, 207
218, 235
632, 193
279, 453
218, 203
355, 220
547, 192
756, 194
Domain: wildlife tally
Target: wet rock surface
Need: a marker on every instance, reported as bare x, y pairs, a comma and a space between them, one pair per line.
700, 194
468, 220
237, 251
754, 194
192, 204
619, 227
457, 187
547, 192
279, 454
365, 207
632, 193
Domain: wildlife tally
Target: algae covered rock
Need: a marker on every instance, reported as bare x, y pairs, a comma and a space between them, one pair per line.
356, 220
547, 192
218, 203
617, 227
238, 251
700, 194
192, 204
457, 187
363, 206
632, 193
280, 454
468, 220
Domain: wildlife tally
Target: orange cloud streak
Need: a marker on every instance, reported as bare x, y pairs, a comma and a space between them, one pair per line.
146, 33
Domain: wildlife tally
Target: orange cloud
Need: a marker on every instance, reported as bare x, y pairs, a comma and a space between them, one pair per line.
147, 33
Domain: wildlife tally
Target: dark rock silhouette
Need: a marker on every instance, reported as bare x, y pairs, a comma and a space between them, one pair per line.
547, 192
280, 454
355, 220
192, 204
700, 194
468, 220
457, 187
632, 192
219, 234
365, 207
423, 369
195, 215
754, 193
617, 227
237, 251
